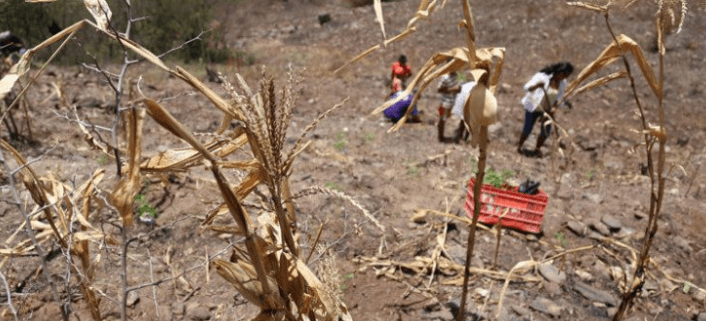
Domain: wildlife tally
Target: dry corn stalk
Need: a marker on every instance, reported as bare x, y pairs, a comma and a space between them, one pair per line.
268, 272
426, 7
609, 55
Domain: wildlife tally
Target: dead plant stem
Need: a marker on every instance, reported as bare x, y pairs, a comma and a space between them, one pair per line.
9, 296
483, 147
655, 198
32, 236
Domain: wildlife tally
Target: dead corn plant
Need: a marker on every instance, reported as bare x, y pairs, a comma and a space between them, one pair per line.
480, 109
669, 18
268, 271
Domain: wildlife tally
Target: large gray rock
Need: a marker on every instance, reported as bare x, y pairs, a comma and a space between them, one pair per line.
594, 294
701, 316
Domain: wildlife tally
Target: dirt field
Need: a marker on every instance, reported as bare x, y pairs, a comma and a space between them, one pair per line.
395, 175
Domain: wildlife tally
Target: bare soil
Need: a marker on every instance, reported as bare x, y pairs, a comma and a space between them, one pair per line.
393, 175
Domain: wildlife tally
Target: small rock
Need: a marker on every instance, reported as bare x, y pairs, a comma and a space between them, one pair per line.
178, 309
683, 244
411, 225
594, 235
531, 238
701, 316
612, 311
438, 315
165, 313
612, 223
639, 214
599, 227
699, 295
577, 227
595, 198
551, 273
594, 294
583, 275
324, 18
547, 306
520, 310
552, 288
132, 299
198, 313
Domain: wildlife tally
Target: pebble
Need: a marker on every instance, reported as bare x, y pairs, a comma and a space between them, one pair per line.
132, 299
699, 295
639, 214
594, 294
165, 313
198, 312
683, 244
178, 309
610, 221
547, 306
595, 198
438, 315
577, 227
520, 310
612, 311
551, 273
583, 275
552, 288
599, 227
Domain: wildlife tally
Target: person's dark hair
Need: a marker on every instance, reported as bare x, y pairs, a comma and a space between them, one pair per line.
558, 68
402, 59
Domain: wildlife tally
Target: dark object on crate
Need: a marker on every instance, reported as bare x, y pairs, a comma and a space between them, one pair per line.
529, 187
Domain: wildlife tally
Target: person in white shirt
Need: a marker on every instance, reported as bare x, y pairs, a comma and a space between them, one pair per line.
448, 88
543, 92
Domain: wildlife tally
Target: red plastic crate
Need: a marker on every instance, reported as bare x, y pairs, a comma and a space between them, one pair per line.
525, 212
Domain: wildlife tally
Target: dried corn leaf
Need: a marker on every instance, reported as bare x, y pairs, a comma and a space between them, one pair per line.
22, 66
425, 8
246, 165
598, 83
6, 84
327, 307
589, 6
100, 11
609, 55
210, 94
93, 236
29, 251
246, 186
94, 142
33, 185
173, 160
123, 196
470, 29
164, 118
227, 229
378, 14
244, 278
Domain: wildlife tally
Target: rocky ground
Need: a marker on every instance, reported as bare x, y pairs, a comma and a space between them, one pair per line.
598, 197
